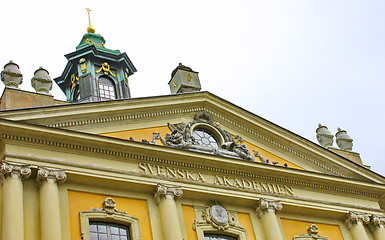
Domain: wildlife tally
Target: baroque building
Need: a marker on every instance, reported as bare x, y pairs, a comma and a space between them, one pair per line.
188, 165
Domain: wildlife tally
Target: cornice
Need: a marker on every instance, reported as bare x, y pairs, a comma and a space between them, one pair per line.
123, 149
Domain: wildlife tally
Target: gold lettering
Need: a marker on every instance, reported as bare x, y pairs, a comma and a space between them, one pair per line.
200, 177
289, 191
256, 186
189, 175
142, 167
237, 183
181, 173
246, 183
160, 170
150, 168
226, 181
170, 172
281, 189
264, 187
217, 180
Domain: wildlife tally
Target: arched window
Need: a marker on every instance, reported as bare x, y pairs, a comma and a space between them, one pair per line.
205, 138
218, 237
106, 88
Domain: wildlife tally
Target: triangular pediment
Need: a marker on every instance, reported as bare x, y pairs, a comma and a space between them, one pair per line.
171, 121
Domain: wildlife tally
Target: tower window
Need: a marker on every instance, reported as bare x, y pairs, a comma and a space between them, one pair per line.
106, 88
107, 231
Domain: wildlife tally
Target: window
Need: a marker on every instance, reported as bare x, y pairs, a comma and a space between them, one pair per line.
205, 138
106, 88
107, 231
218, 237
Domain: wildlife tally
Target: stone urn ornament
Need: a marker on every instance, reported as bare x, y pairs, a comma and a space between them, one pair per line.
41, 81
324, 136
344, 141
11, 75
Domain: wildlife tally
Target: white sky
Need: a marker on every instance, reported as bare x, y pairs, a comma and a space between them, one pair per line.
296, 63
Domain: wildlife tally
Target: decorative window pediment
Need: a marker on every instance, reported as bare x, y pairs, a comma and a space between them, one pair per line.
215, 219
203, 135
109, 214
311, 235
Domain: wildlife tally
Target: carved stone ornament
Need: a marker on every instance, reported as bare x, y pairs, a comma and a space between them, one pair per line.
41, 81
216, 216
344, 141
312, 234
375, 222
109, 207
165, 191
265, 206
181, 138
11, 75
353, 218
10, 170
324, 136
50, 175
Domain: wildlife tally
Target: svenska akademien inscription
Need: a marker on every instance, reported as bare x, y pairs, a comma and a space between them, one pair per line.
237, 183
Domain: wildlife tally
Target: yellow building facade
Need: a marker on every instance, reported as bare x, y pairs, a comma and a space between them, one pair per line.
189, 166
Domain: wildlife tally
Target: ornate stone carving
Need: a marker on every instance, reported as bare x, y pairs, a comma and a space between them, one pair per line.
324, 136
181, 137
344, 141
216, 216
375, 222
50, 175
312, 234
164, 191
41, 81
265, 205
11, 75
354, 218
109, 207
9, 170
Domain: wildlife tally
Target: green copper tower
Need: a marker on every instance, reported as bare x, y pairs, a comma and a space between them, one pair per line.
94, 72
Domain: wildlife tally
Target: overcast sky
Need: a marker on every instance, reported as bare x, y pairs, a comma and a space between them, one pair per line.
296, 63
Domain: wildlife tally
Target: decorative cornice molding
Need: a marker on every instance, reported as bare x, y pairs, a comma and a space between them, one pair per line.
50, 175
166, 191
11, 170
354, 218
376, 221
265, 205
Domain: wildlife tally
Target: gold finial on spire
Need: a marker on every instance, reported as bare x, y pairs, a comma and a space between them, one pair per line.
90, 29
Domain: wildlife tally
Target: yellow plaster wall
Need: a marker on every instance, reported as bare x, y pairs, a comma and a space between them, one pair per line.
81, 201
294, 227
189, 217
245, 221
139, 134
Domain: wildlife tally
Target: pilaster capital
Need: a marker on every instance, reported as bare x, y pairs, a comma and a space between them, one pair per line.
167, 192
265, 205
376, 221
354, 217
50, 175
11, 170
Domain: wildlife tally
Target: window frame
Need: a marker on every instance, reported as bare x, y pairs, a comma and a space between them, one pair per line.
111, 84
210, 129
99, 215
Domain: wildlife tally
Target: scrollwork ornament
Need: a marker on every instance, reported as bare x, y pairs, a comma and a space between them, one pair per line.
165, 191
311, 235
50, 175
265, 206
354, 217
375, 222
9, 170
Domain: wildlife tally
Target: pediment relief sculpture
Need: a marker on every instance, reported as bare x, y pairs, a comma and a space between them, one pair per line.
311, 235
203, 135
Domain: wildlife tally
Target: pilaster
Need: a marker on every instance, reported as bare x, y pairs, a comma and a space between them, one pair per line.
266, 210
165, 198
13, 215
355, 223
48, 179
